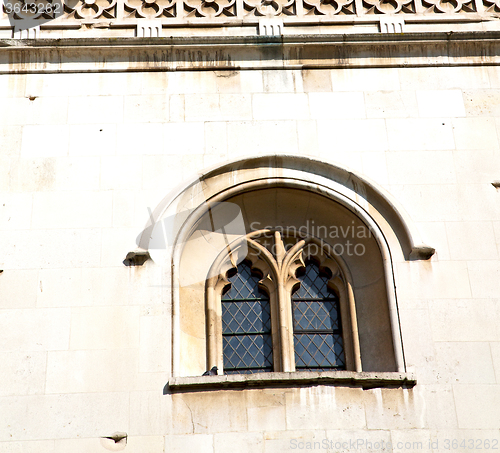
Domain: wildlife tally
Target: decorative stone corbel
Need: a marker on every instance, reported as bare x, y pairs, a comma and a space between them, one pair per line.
421, 252
136, 257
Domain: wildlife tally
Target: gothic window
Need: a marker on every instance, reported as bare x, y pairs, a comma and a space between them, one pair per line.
317, 331
284, 306
246, 324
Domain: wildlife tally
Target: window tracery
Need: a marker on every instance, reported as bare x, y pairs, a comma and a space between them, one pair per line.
309, 307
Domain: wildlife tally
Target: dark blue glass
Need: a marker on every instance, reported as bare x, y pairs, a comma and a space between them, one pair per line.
316, 323
246, 325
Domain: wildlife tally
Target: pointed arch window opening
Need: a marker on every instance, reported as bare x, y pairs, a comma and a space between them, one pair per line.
317, 327
281, 310
246, 323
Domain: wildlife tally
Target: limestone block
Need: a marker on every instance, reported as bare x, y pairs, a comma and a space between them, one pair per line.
476, 166
15, 211
155, 82
12, 85
462, 440
276, 81
51, 248
61, 288
200, 443
462, 320
433, 280
440, 411
405, 440
394, 409
31, 446
496, 227
124, 209
371, 79
209, 412
421, 167
239, 81
184, 138
76, 173
95, 109
308, 138
494, 76
215, 138
440, 103
266, 418
390, 104
323, 407
435, 233
418, 344
91, 371
47, 110
22, 373
316, 80
63, 416
104, 328
121, 172
177, 108
45, 141
337, 105
150, 413
155, 338
301, 440
274, 136
215, 107
471, 240
482, 102
152, 108
42, 171
35, 329
18, 288
430, 202
484, 278
375, 166
147, 138
158, 171
68, 209
444, 78
478, 406
10, 137
192, 82
464, 363
352, 135
464, 77
478, 202
141, 444
92, 139
280, 106
243, 442
419, 134
14, 111
475, 133
495, 354
357, 441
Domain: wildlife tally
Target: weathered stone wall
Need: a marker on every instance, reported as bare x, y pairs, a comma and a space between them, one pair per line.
86, 340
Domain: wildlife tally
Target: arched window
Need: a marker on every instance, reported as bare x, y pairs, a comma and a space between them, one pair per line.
246, 324
284, 306
317, 327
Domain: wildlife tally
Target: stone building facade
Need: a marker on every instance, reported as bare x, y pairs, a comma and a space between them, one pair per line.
152, 151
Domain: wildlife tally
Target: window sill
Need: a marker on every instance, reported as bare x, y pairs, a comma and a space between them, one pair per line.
366, 380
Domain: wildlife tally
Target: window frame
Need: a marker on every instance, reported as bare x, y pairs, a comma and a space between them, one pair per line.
279, 279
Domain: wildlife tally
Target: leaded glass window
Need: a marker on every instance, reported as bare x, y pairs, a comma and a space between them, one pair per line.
246, 325
317, 328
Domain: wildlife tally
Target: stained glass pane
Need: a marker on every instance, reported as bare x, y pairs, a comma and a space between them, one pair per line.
316, 323
246, 325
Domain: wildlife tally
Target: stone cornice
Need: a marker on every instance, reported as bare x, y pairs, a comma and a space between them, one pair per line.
239, 53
